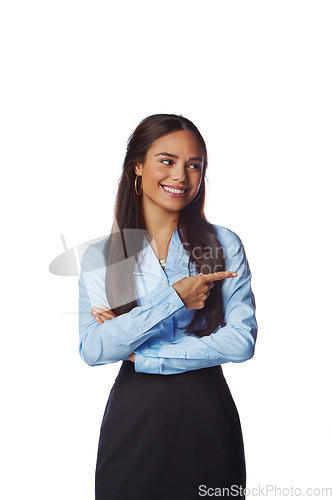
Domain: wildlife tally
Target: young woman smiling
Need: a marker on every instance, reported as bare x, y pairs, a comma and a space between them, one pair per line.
168, 294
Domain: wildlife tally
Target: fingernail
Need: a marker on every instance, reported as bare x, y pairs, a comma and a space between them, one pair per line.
234, 274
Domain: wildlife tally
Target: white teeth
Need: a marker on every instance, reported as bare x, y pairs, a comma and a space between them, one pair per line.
172, 190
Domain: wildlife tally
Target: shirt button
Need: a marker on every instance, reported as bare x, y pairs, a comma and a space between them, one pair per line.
140, 330
147, 363
146, 351
171, 306
177, 312
183, 353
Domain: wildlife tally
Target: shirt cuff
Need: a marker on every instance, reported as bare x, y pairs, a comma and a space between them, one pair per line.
146, 364
164, 292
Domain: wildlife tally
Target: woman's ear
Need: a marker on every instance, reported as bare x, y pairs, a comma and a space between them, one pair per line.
138, 168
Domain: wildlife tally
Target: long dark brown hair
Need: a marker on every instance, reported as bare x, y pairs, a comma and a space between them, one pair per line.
194, 230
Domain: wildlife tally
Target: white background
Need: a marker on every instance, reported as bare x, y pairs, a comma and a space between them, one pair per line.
77, 77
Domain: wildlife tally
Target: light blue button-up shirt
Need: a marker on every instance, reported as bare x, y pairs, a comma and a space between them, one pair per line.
152, 329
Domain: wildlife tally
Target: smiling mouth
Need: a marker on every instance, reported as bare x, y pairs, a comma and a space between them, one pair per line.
173, 190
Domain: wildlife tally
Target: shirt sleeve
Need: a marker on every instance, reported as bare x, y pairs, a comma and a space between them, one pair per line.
115, 339
234, 342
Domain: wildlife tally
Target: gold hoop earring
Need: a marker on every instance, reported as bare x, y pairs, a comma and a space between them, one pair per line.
135, 186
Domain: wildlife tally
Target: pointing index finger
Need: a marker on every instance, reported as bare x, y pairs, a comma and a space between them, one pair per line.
219, 275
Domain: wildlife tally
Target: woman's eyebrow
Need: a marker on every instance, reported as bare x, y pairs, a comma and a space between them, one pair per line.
177, 157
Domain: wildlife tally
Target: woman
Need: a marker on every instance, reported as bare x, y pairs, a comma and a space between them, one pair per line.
169, 294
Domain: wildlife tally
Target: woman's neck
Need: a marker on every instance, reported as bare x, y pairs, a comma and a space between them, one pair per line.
161, 226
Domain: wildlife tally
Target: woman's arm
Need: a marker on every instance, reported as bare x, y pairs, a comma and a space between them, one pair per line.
234, 342
116, 339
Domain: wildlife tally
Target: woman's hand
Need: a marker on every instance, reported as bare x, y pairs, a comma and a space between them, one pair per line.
194, 290
104, 313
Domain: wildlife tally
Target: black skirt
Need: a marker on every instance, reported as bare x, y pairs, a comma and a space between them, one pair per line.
170, 437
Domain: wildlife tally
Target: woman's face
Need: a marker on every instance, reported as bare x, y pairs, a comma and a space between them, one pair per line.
174, 161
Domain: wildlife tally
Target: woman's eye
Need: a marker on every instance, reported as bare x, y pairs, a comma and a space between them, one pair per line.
196, 166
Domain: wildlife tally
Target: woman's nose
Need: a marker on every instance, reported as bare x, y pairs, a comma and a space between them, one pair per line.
179, 174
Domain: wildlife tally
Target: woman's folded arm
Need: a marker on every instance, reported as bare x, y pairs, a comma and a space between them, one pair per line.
234, 342
117, 338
